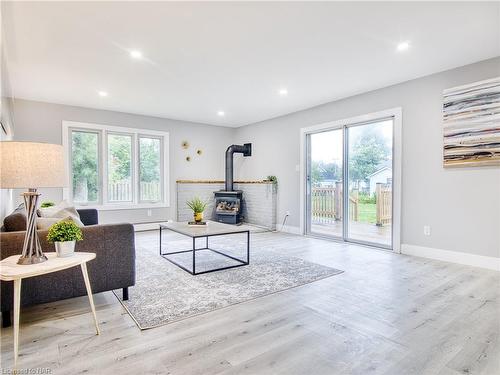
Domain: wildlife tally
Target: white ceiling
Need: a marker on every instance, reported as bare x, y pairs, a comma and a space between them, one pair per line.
232, 56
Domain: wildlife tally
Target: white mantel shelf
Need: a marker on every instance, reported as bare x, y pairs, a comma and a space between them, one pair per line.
222, 181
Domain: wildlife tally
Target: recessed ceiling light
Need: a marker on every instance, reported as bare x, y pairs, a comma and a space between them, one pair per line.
102, 94
403, 46
135, 54
283, 92
221, 113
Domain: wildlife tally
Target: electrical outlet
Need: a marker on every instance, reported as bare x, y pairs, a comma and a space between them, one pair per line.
427, 230
150, 213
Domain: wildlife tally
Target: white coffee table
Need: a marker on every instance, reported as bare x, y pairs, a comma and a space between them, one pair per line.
11, 271
212, 229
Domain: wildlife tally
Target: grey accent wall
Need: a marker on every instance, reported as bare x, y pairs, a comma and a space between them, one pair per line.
41, 122
462, 206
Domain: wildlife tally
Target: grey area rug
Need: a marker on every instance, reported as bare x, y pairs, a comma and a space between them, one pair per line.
164, 293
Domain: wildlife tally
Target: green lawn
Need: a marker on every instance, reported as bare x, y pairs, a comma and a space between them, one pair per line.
367, 212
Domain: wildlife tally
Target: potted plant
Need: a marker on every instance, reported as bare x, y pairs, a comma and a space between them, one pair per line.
272, 179
64, 235
198, 206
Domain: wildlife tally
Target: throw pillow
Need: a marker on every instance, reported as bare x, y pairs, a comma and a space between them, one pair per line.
44, 223
52, 210
16, 221
61, 211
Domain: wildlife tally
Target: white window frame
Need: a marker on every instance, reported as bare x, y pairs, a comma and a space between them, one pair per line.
135, 133
105, 196
100, 161
138, 159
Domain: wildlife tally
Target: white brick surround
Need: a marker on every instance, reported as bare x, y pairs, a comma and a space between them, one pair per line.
259, 200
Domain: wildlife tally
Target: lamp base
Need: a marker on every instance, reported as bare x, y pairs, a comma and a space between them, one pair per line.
32, 260
32, 250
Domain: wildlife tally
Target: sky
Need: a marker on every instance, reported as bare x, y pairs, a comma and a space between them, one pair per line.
327, 146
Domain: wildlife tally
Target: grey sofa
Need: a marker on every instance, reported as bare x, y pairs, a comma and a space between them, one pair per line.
113, 268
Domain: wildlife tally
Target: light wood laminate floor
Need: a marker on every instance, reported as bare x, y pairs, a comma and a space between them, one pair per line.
386, 314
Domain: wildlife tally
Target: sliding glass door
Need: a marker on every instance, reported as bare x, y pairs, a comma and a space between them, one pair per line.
325, 183
369, 176
356, 158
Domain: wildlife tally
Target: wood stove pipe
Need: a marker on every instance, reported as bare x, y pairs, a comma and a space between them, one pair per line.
246, 150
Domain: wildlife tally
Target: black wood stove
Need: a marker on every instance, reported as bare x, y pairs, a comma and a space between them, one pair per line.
229, 202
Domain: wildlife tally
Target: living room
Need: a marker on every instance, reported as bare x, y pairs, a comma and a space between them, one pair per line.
172, 178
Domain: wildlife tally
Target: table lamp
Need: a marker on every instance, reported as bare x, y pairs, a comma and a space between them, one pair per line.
31, 165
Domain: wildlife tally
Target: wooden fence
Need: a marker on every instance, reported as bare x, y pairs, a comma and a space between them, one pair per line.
150, 191
122, 191
326, 204
383, 195
323, 206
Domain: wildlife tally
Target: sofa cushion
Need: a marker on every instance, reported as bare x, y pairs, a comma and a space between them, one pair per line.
44, 223
16, 221
60, 211
89, 216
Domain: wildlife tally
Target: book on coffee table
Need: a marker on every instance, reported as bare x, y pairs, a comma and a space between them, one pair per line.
197, 224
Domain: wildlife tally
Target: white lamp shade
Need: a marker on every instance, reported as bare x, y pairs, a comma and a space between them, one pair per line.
31, 165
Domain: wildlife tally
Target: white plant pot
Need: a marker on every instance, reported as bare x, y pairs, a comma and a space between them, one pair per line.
65, 249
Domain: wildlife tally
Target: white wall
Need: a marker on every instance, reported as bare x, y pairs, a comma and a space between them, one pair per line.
462, 206
6, 201
37, 121
6, 117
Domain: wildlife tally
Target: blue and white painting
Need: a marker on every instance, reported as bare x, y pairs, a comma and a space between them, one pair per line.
471, 124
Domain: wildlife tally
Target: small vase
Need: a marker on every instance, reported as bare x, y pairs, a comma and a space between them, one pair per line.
198, 216
65, 249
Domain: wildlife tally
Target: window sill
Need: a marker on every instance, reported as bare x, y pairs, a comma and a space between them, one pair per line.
116, 207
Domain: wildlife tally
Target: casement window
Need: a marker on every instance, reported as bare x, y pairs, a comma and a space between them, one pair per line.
112, 167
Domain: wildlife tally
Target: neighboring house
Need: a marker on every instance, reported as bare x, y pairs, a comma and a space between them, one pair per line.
383, 175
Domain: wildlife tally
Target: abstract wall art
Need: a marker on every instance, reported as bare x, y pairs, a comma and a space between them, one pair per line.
471, 124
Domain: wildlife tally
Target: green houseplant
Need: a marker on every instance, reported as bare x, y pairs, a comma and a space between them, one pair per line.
64, 235
273, 179
198, 206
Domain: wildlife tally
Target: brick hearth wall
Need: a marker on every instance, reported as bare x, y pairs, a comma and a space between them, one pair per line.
259, 201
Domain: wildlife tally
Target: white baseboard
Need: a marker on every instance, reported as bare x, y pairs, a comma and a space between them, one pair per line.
141, 227
288, 229
481, 261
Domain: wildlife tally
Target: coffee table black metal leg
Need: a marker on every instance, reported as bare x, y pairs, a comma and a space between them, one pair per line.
160, 239
248, 247
194, 256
